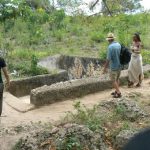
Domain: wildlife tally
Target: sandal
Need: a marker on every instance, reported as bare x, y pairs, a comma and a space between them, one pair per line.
117, 95
113, 93
130, 84
138, 85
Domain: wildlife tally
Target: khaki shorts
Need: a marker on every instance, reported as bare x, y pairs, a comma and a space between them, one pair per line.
115, 75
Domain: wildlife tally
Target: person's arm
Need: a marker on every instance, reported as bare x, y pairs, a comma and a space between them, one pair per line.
106, 66
107, 61
6, 76
137, 48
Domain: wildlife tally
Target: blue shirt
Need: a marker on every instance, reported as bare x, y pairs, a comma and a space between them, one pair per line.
113, 55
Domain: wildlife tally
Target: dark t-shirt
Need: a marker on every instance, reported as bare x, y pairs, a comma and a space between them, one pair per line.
2, 65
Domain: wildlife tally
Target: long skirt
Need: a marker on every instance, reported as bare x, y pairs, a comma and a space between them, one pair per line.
135, 70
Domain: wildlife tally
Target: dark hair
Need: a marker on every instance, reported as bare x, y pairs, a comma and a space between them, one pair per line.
137, 35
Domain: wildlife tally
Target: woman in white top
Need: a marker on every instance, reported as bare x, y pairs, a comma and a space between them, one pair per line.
135, 70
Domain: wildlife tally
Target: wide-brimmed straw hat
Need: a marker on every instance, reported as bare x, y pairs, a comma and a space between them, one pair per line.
110, 36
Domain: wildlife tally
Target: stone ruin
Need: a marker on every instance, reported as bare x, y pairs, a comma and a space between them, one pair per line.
70, 77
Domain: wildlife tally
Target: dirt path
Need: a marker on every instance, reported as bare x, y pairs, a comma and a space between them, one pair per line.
53, 112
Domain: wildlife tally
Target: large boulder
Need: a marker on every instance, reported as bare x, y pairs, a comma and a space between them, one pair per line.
122, 138
69, 136
127, 108
81, 135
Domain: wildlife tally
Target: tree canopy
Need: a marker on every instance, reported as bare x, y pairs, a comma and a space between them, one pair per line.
13, 8
110, 7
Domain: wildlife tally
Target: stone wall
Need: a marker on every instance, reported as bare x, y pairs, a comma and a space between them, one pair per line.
66, 62
22, 87
73, 89
77, 67
50, 63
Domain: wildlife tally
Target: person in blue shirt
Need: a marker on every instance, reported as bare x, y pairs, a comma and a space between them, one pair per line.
113, 61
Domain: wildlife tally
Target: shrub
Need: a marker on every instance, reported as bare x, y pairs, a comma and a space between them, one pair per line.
102, 54
146, 56
97, 37
25, 54
72, 142
59, 34
27, 68
85, 116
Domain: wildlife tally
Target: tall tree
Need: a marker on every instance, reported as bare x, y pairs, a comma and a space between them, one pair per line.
104, 3
70, 3
121, 6
35, 4
8, 9
110, 7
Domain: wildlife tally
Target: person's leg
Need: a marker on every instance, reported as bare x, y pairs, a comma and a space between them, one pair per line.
118, 92
1, 97
116, 86
140, 81
117, 82
118, 76
130, 73
115, 79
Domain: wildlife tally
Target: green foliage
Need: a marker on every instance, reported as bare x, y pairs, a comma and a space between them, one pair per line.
45, 32
27, 54
146, 56
75, 29
72, 3
59, 34
147, 74
17, 145
85, 116
120, 111
71, 142
97, 36
103, 54
119, 6
56, 19
27, 68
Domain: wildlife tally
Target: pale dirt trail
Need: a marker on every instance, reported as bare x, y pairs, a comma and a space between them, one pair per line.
54, 112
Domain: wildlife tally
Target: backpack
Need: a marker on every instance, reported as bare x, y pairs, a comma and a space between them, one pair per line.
125, 55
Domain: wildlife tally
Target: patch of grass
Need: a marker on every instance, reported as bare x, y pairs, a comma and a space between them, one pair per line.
147, 74
118, 113
84, 116
72, 142
117, 128
27, 68
102, 54
17, 145
146, 56
97, 37
27, 54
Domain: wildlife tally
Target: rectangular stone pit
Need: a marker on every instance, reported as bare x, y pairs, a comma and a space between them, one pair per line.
73, 89
23, 87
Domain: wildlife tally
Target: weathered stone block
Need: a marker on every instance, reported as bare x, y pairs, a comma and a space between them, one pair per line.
73, 89
22, 87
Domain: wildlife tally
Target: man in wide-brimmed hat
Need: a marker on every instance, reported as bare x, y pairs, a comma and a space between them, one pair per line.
113, 61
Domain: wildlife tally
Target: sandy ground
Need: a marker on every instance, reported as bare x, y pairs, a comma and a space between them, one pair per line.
54, 112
